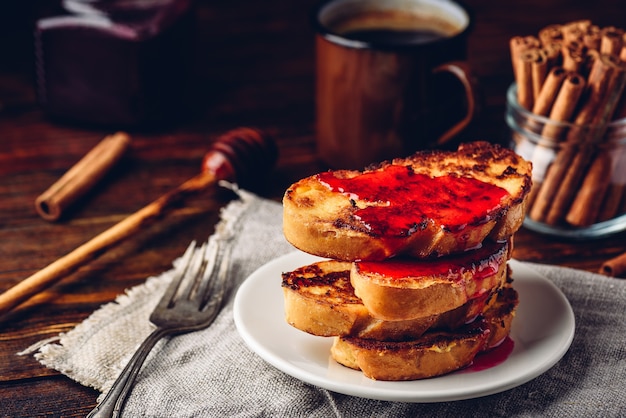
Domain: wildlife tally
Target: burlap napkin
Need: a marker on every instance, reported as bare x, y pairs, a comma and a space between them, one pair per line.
212, 373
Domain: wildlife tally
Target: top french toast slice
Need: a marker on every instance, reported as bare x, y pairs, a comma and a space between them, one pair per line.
432, 203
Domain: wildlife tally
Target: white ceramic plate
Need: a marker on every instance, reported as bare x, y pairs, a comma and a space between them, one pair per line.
542, 332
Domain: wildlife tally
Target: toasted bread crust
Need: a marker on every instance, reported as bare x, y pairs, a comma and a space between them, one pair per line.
500, 315
326, 223
435, 353
396, 290
320, 300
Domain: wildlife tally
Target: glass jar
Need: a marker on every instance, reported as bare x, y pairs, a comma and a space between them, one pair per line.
579, 173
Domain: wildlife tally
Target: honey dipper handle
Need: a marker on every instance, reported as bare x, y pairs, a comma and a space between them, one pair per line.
241, 155
93, 248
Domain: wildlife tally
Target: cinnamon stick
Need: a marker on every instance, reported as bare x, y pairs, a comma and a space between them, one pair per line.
549, 91
616, 193
551, 33
613, 199
572, 33
591, 56
562, 110
620, 109
564, 105
574, 163
549, 187
611, 41
593, 38
614, 267
79, 179
539, 70
585, 208
517, 44
525, 79
574, 55
553, 53
600, 83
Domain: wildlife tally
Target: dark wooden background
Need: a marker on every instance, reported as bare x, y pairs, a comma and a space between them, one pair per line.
254, 66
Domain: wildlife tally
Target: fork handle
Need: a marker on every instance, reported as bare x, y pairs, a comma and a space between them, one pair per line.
111, 405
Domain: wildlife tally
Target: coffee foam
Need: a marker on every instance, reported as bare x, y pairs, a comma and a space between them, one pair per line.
345, 16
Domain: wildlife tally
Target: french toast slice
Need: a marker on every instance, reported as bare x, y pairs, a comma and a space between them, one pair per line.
400, 289
433, 354
432, 203
320, 300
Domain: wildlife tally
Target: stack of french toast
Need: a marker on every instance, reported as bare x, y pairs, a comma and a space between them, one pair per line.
415, 281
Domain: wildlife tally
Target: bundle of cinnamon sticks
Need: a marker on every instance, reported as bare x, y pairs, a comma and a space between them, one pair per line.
574, 74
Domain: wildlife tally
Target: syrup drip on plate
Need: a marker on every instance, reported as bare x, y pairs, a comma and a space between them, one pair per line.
492, 357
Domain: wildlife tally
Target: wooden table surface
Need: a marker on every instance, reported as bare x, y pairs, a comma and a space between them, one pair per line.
254, 66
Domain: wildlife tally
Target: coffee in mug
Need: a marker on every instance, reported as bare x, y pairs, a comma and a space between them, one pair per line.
390, 78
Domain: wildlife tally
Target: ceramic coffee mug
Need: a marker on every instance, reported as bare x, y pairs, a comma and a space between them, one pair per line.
391, 78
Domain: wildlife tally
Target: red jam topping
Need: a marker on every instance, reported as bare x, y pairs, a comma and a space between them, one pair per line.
402, 201
481, 263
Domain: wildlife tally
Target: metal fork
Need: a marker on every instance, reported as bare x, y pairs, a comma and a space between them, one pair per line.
190, 303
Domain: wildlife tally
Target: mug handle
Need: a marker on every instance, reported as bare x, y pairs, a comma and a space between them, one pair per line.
461, 70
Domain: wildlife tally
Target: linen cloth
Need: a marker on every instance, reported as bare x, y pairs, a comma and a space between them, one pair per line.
212, 373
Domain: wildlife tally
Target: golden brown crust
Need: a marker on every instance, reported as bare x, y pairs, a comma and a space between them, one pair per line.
435, 353
320, 300
396, 290
321, 222
500, 315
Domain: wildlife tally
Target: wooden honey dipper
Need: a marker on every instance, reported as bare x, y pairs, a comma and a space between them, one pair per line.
240, 155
